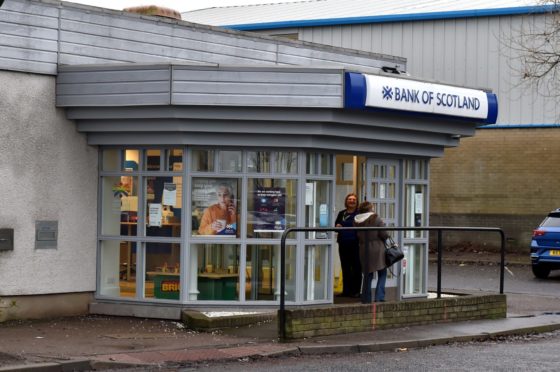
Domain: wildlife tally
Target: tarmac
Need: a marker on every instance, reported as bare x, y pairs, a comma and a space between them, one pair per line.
103, 342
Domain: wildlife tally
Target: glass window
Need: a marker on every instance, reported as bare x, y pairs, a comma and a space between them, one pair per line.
392, 172
271, 206
423, 169
317, 211
413, 268
218, 271
215, 208
286, 162
163, 207
131, 159
382, 171
258, 162
381, 210
409, 172
375, 190
174, 160
416, 169
362, 174
391, 190
415, 209
262, 276
111, 158
550, 221
202, 160
316, 271
391, 211
152, 160
319, 163
230, 161
118, 269
119, 205
163, 271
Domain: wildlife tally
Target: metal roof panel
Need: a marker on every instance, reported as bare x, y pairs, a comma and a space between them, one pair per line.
316, 12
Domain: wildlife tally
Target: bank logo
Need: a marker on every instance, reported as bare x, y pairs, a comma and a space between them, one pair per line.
387, 93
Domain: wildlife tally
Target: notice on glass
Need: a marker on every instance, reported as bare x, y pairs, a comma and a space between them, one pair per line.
178, 181
309, 193
382, 191
323, 215
418, 203
270, 206
154, 216
169, 193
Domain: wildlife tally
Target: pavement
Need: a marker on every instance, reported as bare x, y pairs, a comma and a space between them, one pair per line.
104, 343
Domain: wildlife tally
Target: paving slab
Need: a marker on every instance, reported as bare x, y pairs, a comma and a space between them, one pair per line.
104, 342
241, 347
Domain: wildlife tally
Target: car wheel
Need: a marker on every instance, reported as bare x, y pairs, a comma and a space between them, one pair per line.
540, 272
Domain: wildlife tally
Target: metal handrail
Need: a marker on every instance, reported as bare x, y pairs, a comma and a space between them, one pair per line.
439, 229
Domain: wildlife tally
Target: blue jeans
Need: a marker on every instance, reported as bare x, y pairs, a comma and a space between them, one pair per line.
379, 289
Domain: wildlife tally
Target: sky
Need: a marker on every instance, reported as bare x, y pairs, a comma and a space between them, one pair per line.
179, 5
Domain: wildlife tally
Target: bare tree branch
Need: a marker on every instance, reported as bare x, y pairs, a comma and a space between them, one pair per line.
536, 47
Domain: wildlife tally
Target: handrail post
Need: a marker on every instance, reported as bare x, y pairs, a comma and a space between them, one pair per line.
439, 262
282, 315
502, 261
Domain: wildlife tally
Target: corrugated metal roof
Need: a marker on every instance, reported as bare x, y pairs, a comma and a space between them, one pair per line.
325, 12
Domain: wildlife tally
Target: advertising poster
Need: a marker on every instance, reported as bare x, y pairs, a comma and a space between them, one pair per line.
269, 209
214, 206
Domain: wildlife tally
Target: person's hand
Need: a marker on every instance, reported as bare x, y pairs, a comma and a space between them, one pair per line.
231, 209
338, 225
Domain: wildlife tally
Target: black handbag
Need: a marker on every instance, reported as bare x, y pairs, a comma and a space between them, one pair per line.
393, 253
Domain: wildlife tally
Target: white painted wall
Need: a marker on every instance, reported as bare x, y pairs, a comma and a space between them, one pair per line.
47, 172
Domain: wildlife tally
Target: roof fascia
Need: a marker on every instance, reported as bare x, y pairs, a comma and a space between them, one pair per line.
537, 9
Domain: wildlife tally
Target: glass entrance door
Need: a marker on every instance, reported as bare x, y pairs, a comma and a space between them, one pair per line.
415, 213
381, 179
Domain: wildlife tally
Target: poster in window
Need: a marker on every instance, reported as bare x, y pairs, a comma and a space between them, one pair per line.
154, 214
169, 193
178, 181
269, 209
214, 207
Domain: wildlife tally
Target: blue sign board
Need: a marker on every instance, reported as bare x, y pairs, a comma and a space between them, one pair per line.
389, 93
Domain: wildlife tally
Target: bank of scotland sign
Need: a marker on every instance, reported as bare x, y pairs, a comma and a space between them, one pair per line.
375, 92
410, 95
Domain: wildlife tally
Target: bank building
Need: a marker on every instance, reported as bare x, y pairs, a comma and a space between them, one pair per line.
150, 164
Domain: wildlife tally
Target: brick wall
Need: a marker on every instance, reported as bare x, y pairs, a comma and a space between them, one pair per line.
322, 321
517, 229
505, 178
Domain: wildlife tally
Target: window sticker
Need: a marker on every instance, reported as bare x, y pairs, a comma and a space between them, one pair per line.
154, 218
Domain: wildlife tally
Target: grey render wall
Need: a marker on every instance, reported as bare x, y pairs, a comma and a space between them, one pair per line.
467, 51
36, 35
47, 172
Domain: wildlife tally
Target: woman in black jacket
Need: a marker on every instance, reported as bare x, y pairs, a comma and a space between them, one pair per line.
348, 248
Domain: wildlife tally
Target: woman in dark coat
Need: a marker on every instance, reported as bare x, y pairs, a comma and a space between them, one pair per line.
348, 248
372, 252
